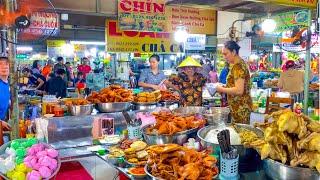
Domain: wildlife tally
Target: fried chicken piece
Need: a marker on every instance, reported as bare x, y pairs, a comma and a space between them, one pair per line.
310, 143
292, 123
274, 151
189, 171
314, 126
308, 158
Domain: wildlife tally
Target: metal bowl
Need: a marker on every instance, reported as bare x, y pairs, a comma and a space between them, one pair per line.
81, 110
113, 107
277, 170
244, 153
145, 106
190, 110
170, 104
146, 169
178, 138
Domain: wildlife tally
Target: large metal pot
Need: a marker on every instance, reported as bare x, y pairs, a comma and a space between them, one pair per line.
178, 138
145, 106
81, 110
277, 170
244, 153
188, 110
113, 107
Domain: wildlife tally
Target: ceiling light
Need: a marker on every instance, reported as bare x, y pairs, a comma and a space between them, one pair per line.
181, 34
268, 25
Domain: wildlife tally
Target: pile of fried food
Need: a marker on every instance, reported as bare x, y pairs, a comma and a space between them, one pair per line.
137, 154
291, 138
169, 96
76, 102
168, 123
148, 97
111, 94
172, 162
115, 152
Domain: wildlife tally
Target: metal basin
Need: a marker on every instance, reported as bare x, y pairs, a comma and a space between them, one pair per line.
170, 104
277, 170
244, 153
113, 107
81, 110
188, 110
178, 138
145, 106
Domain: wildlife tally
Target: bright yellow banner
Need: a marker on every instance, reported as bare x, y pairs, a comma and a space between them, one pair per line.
156, 16
297, 3
142, 42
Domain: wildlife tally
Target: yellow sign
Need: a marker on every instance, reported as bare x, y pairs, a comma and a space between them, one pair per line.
142, 42
297, 3
56, 43
196, 21
156, 16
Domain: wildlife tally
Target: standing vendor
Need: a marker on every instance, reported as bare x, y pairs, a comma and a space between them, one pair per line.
189, 83
4, 94
238, 84
151, 79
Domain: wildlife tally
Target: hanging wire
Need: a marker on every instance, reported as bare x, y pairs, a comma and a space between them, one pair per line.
40, 39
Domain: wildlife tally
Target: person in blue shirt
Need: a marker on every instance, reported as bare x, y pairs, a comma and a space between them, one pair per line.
4, 92
151, 79
224, 74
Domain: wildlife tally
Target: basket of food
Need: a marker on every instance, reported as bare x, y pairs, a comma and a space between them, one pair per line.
28, 159
290, 146
171, 128
178, 162
79, 107
112, 99
146, 100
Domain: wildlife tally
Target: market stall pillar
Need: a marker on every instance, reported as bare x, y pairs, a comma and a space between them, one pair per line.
307, 67
13, 77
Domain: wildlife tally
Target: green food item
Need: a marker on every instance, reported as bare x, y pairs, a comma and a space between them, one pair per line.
19, 160
101, 152
33, 141
15, 144
25, 144
21, 152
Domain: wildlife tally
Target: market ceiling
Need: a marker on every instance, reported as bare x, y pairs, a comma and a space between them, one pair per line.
109, 7
241, 6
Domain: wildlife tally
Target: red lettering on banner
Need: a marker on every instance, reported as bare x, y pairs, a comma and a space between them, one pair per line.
113, 31
141, 6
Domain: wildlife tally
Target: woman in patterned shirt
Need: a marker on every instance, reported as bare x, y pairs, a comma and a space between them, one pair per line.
189, 83
238, 84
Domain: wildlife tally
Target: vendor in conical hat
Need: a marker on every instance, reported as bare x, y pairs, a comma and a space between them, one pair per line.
189, 82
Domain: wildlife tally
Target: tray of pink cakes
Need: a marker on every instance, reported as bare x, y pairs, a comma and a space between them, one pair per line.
27, 159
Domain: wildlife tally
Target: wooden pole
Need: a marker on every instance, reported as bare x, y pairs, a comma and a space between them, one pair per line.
13, 77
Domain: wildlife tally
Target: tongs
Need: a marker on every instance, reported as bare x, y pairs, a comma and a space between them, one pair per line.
224, 141
127, 117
